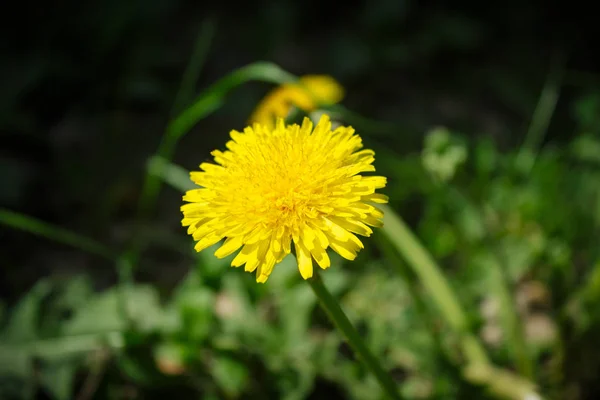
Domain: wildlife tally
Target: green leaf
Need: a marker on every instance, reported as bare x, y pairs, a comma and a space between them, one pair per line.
296, 383
443, 154
69, 346
76, 292
519, 255
230, 374
58, 378
197, 312
586, 148
296, 305
103, 313
195, 305
237, 312
24, 320
66, 299
15, 362
485, 158
469, 221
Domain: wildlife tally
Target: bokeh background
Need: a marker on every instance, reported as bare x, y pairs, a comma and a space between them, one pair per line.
484, 116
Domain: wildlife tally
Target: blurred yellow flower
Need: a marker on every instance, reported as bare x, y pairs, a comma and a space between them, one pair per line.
307, 94
289, 183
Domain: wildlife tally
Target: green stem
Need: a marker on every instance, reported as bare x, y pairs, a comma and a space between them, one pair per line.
341, 321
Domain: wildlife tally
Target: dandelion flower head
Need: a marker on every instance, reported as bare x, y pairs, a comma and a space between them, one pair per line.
322, 88
310, 92
286, 186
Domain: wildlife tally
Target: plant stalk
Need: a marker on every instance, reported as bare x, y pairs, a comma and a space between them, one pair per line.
341, 321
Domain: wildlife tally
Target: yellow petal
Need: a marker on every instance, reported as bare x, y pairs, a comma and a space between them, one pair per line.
207, 242
193, 209
343, 250
204, 230
251, 264
376, 198
256, 256
201, 179
308, 237
340, 234
229, 246
321, 237
196, 196
242, 256
304, 261
372, 221
287, 242
258, 233
264, 270
376, 182
321, 257
362, 190
211, 168
352, 226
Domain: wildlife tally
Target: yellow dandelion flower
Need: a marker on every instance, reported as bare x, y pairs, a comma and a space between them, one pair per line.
288, 184
307, 94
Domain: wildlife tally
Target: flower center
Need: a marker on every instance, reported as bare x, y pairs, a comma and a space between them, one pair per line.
288, 203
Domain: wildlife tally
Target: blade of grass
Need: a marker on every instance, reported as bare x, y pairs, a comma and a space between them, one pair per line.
478, 368
192, 72
542, 114
434, 282
55, 233
502, 383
